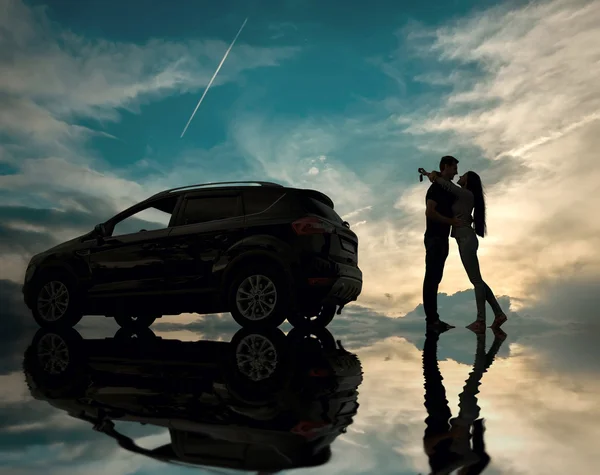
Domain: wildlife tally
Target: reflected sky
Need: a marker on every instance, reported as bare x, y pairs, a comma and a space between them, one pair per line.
538, 415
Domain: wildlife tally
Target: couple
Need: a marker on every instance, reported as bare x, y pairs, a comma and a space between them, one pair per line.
449, 205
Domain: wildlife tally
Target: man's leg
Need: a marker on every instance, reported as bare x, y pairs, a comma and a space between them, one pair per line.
436, 252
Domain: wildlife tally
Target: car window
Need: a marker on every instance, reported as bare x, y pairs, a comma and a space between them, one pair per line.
148, 219
314, 206
258, 200
210, 208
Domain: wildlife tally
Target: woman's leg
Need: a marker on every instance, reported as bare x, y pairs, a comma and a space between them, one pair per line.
491, 299
467, 247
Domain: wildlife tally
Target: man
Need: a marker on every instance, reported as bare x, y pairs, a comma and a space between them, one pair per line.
439, 220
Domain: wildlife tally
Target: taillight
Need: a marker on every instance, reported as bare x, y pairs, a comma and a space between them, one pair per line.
319, 373
312, 225
307, 428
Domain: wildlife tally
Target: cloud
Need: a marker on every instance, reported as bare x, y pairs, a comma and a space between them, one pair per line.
84, 76
530, 112
16, 327
54, 80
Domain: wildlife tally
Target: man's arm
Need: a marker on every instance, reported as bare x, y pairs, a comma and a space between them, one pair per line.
431, 213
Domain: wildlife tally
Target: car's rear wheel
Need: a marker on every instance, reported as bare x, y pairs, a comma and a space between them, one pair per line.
258, 365
132, 322
259, 296
56, 303
307, 320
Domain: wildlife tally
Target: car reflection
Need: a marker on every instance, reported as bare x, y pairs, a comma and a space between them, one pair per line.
264, 401
456, 443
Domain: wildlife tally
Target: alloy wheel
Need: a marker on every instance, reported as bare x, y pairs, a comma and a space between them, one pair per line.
53, 301
256, 297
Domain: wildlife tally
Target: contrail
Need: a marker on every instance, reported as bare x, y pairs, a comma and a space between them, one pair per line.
214, 76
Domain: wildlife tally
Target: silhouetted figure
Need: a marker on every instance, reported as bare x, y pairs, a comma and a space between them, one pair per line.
470, 200
447, 442
439, 219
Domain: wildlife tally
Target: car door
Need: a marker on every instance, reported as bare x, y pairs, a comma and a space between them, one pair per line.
209, 223
130, 262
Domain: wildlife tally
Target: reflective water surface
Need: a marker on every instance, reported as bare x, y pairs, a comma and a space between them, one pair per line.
368, 395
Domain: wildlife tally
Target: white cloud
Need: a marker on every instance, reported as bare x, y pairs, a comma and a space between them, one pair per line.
52, 78
526, 120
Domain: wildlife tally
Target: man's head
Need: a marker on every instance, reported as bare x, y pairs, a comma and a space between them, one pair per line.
448, 167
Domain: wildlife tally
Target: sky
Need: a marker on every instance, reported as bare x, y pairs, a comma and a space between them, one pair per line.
348, 98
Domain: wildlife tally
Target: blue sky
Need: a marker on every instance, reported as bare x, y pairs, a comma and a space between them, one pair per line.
348, 98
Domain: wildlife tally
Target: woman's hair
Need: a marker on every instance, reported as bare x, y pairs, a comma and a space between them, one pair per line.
474, 186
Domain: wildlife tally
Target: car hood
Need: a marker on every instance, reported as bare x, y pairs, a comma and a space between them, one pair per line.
62, 246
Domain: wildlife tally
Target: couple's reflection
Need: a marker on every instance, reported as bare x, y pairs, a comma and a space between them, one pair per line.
456, 443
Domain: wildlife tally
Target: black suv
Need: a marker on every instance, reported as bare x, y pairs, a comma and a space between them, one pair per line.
264, 401
263, 253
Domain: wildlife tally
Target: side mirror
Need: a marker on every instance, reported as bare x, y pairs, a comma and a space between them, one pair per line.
100, 230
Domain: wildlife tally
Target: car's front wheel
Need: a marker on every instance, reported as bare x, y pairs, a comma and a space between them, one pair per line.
259, 297
55, 362
56, 302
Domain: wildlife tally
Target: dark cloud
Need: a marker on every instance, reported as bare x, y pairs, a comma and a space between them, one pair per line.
572, 305
17, 240
23, 242
17, 327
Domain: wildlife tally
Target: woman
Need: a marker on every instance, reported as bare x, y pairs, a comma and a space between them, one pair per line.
470, 200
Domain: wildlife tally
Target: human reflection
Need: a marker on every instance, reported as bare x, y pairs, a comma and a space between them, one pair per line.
449, 442
264, 401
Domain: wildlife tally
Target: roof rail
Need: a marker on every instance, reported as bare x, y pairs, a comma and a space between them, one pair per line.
200, 185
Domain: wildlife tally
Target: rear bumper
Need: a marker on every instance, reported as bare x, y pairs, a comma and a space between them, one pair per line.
329, 282
345, 290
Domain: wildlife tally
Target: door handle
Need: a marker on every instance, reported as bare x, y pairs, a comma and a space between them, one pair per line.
222, 237
149, 246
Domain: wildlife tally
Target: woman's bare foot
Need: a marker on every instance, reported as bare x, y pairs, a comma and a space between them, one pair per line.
499, 320
478, 326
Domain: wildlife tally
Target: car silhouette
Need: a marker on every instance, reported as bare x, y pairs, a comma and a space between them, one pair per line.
259, 250
264, 401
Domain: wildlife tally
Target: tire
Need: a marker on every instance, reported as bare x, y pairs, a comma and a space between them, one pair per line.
272, 297
56, 303
320, 336
321, 320
133, 323
55, 362
258, 365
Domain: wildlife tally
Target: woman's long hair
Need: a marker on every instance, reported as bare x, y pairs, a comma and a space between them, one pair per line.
474, 186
